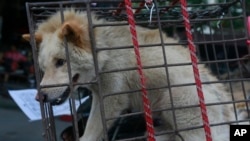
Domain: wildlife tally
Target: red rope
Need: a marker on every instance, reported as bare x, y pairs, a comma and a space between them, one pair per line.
141, 5
192, 50
174, 2
248, 29
119, 10
146, 104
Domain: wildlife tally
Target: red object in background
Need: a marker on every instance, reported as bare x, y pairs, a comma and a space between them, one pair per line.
248, 29
14, 59
15, 55
67, 118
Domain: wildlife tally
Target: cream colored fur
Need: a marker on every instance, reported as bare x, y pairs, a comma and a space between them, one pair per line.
240, 92
75, 29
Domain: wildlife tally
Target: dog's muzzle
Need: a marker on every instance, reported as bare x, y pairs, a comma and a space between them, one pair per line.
62, 98
43, 96
55, 101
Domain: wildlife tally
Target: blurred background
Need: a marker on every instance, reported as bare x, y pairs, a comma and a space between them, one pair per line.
17, 72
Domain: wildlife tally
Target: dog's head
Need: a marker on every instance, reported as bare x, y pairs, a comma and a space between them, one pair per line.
51, 40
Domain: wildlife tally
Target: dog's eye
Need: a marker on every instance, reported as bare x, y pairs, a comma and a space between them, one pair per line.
60, 62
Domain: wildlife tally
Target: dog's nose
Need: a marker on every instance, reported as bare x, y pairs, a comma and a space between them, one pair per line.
40, 96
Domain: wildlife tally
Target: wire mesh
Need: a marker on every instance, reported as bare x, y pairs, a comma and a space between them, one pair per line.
220, 43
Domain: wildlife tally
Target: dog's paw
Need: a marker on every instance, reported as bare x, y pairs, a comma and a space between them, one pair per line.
242, 111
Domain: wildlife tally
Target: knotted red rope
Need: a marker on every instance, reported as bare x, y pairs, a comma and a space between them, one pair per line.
146, 103
194, 59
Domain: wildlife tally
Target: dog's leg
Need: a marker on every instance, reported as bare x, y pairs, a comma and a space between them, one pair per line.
113, 107
94, 128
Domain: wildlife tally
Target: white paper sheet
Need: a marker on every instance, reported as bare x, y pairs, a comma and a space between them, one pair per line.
25, 99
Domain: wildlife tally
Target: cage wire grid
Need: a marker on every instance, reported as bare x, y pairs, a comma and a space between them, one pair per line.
220, 45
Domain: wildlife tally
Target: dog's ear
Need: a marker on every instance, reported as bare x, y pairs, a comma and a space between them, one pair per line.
38, 37
73, 32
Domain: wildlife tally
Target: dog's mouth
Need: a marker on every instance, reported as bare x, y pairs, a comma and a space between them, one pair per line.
64, 96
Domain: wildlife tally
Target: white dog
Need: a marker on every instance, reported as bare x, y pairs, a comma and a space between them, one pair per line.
52, 61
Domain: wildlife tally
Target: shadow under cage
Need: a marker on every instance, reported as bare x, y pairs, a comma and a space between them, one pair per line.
156, 70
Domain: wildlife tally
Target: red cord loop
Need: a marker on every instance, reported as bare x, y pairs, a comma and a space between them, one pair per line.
146, 103
194, 60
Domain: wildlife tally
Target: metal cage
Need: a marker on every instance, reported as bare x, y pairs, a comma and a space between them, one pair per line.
219, 32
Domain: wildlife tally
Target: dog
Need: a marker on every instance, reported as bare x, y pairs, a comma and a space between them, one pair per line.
163, 82
240, 90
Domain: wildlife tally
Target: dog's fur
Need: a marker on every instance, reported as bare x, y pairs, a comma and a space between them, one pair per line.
50, 38
240, 92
